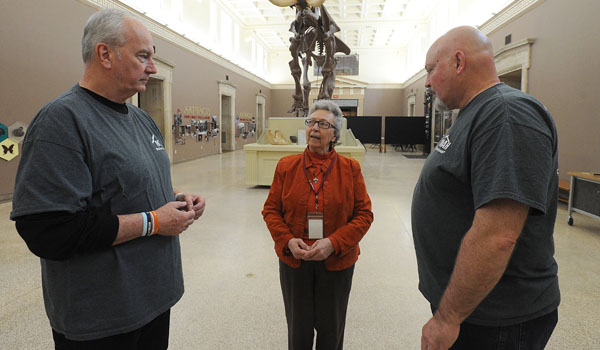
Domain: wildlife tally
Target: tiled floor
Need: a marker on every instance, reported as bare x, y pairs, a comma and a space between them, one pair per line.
233, 300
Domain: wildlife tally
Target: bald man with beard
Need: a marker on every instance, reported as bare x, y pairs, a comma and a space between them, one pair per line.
484, 208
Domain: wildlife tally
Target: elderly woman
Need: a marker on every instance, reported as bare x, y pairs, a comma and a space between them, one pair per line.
317, 211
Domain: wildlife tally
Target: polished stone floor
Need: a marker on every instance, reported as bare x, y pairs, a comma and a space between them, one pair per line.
233, 299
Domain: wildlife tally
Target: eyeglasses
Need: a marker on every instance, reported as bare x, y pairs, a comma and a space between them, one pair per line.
323, 124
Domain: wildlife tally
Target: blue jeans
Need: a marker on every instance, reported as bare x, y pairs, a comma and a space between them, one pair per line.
529, 335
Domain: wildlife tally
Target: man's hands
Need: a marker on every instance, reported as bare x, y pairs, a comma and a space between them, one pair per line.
439, 334
320, 250
173, 218
193, 202
176, 217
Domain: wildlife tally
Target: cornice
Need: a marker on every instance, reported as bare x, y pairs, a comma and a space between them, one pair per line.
385, 86
365, 86
511, 12
227, 82
420, 74
527, 41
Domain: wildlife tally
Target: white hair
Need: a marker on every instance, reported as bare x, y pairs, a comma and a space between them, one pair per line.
104, 26
334, 109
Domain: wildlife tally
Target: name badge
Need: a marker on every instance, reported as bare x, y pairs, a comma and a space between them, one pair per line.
315, 225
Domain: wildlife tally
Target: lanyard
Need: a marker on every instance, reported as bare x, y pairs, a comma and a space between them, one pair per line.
312, 186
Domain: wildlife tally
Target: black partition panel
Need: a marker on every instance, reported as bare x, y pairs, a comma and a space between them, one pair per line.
404, 130
366, 129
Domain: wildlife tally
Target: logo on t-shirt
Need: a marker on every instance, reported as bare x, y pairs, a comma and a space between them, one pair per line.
443, 145
156, 142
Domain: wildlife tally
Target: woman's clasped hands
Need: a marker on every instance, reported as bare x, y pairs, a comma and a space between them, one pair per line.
318, 251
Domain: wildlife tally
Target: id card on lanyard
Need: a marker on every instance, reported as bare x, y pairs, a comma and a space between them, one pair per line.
315, 225
315, 219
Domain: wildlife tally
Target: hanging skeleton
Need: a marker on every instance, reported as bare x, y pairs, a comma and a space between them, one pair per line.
313, 38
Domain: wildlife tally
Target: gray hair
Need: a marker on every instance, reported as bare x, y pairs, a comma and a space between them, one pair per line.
104, 26
328, 105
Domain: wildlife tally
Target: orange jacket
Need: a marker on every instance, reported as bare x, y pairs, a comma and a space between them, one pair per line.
347, 209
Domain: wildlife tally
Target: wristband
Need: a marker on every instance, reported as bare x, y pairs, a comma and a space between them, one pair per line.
155, 222
150, 221
147, 224
177, 195
144, 224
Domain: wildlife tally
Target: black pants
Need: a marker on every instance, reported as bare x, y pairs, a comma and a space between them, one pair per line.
529, 335
153, 336
315, 299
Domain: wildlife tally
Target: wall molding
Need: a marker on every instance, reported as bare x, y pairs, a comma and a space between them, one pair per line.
513, 57
177, 39
420, 74
511, 12
367, 86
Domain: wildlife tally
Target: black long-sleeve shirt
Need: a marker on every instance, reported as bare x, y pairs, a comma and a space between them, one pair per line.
60, 235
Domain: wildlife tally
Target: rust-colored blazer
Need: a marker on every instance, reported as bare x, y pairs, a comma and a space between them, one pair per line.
347, 209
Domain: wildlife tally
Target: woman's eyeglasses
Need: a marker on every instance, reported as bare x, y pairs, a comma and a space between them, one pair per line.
323, 124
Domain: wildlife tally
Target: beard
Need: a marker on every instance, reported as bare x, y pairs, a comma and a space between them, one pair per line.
440, 105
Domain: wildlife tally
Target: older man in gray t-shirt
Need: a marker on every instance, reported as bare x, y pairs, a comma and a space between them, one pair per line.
93, 198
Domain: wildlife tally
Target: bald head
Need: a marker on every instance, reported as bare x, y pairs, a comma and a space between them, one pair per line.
466, 58
465, 38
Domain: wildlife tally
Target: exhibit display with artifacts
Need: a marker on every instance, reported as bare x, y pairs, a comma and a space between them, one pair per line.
195, 133
245, 129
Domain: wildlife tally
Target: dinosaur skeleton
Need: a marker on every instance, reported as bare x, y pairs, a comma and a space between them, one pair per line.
313, 39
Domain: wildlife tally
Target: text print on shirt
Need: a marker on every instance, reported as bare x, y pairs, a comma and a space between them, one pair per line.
443, 145
156, 141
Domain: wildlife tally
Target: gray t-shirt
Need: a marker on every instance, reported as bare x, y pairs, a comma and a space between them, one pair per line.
79, 153
502, 145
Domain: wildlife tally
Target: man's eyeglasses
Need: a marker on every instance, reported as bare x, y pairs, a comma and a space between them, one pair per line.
323, 124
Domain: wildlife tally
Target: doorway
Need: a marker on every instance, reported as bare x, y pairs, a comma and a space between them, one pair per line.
349, 111
260, 114
156, 101
260, 117
227, 115
512, 79
411, 101
152, 101
227, 125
